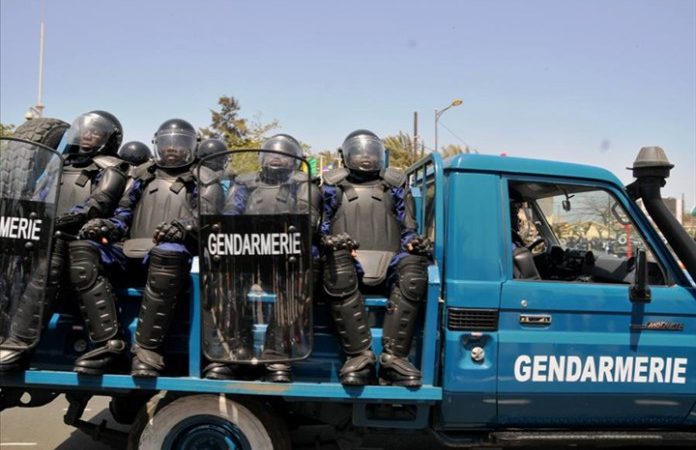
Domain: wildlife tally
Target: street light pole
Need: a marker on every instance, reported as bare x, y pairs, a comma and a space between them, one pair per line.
455, 102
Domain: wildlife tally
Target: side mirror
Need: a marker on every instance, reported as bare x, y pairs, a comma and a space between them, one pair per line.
639, 291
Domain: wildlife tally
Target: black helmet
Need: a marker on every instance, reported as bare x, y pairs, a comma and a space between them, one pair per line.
363, 152
134, 152
174, 144
209, 147
276, 164
95, 132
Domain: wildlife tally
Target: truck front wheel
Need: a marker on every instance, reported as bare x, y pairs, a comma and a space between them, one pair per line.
207, 421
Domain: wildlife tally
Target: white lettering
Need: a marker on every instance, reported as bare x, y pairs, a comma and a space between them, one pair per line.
244, 244
679, 370
539, 368
556, 368
573, 369
20, 228
624, 369
523, 372
656, 366
640, 370
606, 363
588, 372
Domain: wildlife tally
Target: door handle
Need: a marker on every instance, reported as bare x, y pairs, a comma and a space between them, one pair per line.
535, 319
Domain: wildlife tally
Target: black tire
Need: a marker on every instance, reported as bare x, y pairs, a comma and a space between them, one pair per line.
43, 130
163, 418
22, 165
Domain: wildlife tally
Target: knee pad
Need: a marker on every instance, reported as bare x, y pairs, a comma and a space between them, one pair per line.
84, 264
412, 277
340, 277
167, 273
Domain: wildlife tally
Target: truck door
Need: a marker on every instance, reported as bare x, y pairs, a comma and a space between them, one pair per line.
573, 349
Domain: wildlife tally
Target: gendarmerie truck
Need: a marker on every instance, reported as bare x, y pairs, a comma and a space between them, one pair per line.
556, 307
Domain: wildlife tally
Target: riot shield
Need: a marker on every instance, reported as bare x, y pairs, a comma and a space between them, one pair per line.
29, 181
256, 259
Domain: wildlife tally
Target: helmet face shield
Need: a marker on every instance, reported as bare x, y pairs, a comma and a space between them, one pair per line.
89, 133
363, 153
175, 149
279, 161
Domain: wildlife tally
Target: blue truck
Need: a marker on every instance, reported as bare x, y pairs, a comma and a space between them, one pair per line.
530, 335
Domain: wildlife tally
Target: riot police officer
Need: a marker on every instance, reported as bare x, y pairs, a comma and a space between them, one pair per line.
369, 214
92, 183
165, 234
279, 188
210, 147
134, 152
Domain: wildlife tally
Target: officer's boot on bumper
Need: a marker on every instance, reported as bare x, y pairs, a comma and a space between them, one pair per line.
277, 372
405, 301
164, 283
350, 317
98, 307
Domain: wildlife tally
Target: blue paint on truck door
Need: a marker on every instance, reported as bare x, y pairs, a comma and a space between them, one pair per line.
579, 352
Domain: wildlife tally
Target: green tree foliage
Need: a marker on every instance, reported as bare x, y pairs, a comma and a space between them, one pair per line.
401, 154
6, 130
238, 133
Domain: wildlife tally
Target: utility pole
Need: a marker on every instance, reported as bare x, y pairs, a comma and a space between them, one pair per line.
414, 153
37, 111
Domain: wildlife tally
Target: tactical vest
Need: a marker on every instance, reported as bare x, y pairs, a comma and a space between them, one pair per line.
165, 197
76, 182
366, 210
286, 198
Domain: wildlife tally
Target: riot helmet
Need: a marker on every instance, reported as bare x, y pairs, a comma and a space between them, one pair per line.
209, 147
363, 152
276, 166
92, 133
134, 152
174, 144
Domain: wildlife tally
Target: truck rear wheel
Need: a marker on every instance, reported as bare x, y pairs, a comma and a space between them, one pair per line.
207, 421
43, 130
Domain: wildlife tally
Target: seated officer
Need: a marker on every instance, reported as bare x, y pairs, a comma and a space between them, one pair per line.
370, 205
165, 234
279, 188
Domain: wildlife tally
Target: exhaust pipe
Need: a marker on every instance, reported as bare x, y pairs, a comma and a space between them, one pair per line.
651, 169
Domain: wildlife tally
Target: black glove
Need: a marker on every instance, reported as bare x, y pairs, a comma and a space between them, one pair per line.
100, 230
169, 232
420, 246
70, 223
339, 242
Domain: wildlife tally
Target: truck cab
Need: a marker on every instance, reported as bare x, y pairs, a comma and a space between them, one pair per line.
554, 307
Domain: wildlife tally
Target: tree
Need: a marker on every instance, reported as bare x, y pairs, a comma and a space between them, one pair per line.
6, 130
238, 132
401, 152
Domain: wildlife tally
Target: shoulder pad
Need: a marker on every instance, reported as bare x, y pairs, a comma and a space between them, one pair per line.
247, 179
104, 161
206, 176
336, 176
299, 176
143, 171
394, 177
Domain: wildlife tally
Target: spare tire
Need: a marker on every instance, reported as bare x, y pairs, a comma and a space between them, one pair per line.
22, 165
43, 130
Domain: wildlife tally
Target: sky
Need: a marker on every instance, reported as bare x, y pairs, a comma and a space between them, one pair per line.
581, 81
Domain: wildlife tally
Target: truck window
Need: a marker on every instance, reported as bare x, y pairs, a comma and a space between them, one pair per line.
575, 233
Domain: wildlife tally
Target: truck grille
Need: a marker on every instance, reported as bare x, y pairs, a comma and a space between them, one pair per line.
463, 319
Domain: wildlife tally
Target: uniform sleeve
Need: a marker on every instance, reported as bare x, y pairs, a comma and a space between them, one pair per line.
109, 186
404, 208
329, 200
123, 216
236, 200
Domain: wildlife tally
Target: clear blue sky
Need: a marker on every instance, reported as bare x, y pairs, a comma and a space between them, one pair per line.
586, 81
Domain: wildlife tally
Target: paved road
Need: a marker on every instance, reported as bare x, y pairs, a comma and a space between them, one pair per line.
43, 429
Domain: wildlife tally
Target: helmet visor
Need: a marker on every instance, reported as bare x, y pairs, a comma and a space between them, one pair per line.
272, 160
89, 133
174, 149
364, 153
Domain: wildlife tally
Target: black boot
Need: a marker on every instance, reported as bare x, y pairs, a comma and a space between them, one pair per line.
165, 280
358, 370
275, 349
220, 371
98, 307
405, 301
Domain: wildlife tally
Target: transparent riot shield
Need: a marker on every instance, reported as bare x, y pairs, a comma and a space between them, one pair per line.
256, 258
29, 180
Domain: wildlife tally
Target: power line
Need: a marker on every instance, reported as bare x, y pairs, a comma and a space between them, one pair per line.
453, 134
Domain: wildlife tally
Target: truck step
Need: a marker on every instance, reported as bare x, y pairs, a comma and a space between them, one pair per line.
529, 439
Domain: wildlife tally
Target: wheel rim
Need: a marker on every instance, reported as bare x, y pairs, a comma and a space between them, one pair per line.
206, 433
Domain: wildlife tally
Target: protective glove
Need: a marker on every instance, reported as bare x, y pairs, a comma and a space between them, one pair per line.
172, 231
341, 241
100, 230
421, 246
70, 222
